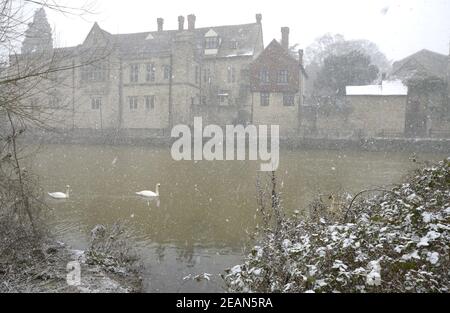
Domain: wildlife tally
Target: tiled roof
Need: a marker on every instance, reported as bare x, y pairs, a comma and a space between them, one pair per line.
245, 35
423, 61
275, 45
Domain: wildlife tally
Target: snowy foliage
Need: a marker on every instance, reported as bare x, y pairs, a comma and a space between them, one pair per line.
397, 241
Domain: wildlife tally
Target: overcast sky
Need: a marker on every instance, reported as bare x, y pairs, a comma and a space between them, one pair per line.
399, 27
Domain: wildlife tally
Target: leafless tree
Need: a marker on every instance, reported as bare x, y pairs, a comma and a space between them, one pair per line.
23, 75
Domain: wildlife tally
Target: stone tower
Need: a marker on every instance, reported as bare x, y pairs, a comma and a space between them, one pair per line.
184, 64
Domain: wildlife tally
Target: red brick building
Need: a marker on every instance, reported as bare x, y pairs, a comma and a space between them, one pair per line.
276, 83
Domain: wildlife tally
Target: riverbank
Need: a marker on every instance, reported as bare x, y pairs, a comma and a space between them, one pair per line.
50, 266
95, 137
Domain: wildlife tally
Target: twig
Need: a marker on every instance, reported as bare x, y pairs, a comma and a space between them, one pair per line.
362, 192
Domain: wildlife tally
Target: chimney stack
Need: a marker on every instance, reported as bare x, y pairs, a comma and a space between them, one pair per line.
191, 21
160, 22
258, 18
300, 56
285, 37
180, 22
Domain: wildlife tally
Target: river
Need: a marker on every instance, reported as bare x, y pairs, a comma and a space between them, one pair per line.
205, 207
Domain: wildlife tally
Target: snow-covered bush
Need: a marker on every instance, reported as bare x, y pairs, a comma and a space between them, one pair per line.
396, 241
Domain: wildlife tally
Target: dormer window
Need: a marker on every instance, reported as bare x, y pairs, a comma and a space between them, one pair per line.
233, 44
211, 42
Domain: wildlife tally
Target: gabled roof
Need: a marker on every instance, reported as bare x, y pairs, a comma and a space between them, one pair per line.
211, 33
274, 47
246, 36
96, 30
422, 62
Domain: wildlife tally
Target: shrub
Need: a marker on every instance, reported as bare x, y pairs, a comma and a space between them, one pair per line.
396, 241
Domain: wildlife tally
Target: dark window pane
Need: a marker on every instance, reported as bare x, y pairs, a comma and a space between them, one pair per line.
288, 99
283, 77
265, 98
264, 76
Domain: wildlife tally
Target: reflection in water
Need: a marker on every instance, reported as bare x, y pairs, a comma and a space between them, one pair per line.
199, 222
156, 202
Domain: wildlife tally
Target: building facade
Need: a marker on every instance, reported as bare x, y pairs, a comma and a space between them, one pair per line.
277, 84
428, 107
368, 111
144, 83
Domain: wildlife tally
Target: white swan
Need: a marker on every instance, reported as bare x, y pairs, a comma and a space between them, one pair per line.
148, 193
60, 195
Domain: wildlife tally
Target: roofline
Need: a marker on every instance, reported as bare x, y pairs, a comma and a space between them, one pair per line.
287, 52
406, 62
417, 52
301, 66
427, 50
177, 30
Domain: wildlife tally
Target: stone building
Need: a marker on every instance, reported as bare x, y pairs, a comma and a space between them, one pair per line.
421, 63
427, 75
364, 112
144, 83
377, 110
413, 102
